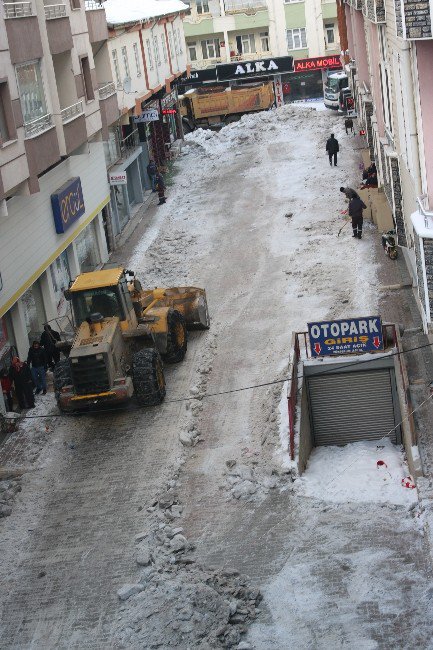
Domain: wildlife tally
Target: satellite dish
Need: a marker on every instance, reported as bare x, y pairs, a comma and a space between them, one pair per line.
127, 84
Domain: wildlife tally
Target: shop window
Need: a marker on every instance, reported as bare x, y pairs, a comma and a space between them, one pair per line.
87, 78
296, 38
34, 313
7, 124
264, 41
87, 249
137, 60
116, 68
192, 51
149, 54
31, 90
202, 6
330, 33
210, 48
60, 277
125, 62
164, 48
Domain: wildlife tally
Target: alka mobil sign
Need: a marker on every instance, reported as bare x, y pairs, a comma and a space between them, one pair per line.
351, 336
68, 204
259, 68
317, 63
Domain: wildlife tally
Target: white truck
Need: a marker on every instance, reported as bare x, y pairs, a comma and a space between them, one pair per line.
335, 82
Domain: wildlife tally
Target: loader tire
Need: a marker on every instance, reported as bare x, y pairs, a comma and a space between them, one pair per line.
62, 376
176, 337
148, 377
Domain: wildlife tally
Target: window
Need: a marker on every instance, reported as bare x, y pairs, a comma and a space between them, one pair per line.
75, 4
329, 33
202, 6
7, 124
31, 90
384, 79
248, 43
210, 48
296, 38
137, 60
264, 41
176, 45
164, 48
116, 68
149, 54
192, 51
87, 78
179, 40
170, 43
156, 50
125, 61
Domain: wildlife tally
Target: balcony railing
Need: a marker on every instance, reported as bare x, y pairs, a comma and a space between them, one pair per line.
205, 63
18, 9
131, 142
55, 11
250, 57
35, 127
106, 89
242, 6
71, 112
426, 213
90, 5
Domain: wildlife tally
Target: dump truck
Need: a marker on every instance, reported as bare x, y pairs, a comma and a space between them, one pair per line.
122, 336
214, 106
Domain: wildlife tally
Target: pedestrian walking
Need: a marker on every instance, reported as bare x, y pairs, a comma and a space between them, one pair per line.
160, 186
152, 172
48, 340
6, 384
332, 148
356, 206
37, 359
348, 125
349, 192
21, 375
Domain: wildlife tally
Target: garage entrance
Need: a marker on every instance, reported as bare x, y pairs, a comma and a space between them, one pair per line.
347, 406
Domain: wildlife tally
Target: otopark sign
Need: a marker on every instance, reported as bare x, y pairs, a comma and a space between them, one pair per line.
349, 336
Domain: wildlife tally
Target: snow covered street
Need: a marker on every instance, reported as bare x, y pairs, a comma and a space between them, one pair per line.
107, 501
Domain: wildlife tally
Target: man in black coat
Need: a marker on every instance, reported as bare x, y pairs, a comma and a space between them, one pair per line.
37, 359
332, 148
20, 374
349, 192
356, 206
48, 340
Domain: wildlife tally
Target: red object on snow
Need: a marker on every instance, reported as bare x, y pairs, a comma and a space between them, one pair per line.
381, 463
407, 482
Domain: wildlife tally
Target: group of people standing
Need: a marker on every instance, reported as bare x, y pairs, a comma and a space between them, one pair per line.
157, 181
29, 378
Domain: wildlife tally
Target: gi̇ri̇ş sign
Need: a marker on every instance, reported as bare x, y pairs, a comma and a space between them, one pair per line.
351, 336
67, 204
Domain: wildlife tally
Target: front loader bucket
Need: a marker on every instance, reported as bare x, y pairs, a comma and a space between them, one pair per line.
192, 303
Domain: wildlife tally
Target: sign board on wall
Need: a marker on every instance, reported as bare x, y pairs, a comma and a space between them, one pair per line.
149, 115
350, 336
259, 68
317, 63
117, 178
67, 204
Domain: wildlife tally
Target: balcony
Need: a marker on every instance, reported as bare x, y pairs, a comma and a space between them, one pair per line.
18, 9
413, 19
356, 4
96, 21
129, 144
252, 56
55, 11
244, 6
106, 89
38, 126
374, 10
72, 112
205, 63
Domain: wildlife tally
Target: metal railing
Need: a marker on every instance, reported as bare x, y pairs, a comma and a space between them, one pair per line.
18, 9
235, 6
90, 5
129, 143
55, 11
427, 214
71, 112
205, 63
250, 57
35, 127
106, 89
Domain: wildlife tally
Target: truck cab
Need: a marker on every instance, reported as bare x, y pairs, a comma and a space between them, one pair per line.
334, 84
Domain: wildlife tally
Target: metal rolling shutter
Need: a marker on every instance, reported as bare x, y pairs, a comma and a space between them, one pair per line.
351, 406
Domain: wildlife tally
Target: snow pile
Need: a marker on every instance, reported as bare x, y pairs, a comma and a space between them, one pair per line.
369, 472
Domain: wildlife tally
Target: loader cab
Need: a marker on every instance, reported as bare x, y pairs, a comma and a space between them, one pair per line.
103, 292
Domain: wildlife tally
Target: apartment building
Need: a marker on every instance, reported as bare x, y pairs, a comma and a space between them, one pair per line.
57, 103
147, 53
391, 50
220, 31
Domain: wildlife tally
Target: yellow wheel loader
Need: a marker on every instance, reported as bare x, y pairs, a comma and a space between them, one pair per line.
123, 334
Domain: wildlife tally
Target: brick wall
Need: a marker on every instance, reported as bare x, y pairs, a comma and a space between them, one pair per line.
398, 18
368, 109
398, 202
417, 18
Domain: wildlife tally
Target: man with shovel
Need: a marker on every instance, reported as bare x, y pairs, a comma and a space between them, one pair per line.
356, 206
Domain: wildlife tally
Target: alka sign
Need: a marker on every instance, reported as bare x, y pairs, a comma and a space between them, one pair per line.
318, 63
351, 336
67, 204
259, 68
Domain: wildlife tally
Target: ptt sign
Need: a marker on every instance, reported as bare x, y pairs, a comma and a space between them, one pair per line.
67, 204
351, 336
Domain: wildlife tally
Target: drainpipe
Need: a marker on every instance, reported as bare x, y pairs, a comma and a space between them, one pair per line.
404, 59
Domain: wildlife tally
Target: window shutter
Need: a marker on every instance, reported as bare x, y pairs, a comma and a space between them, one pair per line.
303, 38
289, 39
